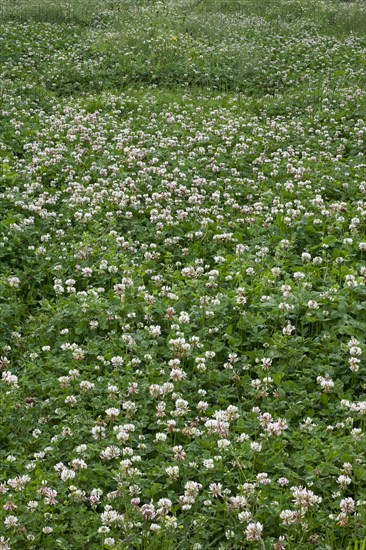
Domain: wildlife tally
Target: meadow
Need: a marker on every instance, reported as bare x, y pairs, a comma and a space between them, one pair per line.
182, 275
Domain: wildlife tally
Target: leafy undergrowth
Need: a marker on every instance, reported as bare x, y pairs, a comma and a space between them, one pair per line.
182, 288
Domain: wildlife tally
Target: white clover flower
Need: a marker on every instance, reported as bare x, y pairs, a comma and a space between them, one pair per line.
117, 361
9, 378
184, 318
10, 522
112, 413
67, 474
355, 351
288, 329
245, 516
325, 383
223, 444
4, 543
71, 400
288, 517
32, 505
306, 257
14, 282
154, 330
254, 531
304, 498
111, 452
344, 481
172, 472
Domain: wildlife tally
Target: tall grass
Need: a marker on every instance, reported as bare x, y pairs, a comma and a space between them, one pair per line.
334, 17
77, 12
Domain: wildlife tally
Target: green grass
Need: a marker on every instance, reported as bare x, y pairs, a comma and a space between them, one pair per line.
182, 241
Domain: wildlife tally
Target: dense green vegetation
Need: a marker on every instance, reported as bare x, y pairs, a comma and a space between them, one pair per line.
182, 274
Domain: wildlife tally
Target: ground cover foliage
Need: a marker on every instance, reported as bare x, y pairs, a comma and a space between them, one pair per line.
182, 287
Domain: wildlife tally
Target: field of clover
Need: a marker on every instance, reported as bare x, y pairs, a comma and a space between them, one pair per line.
183, 275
